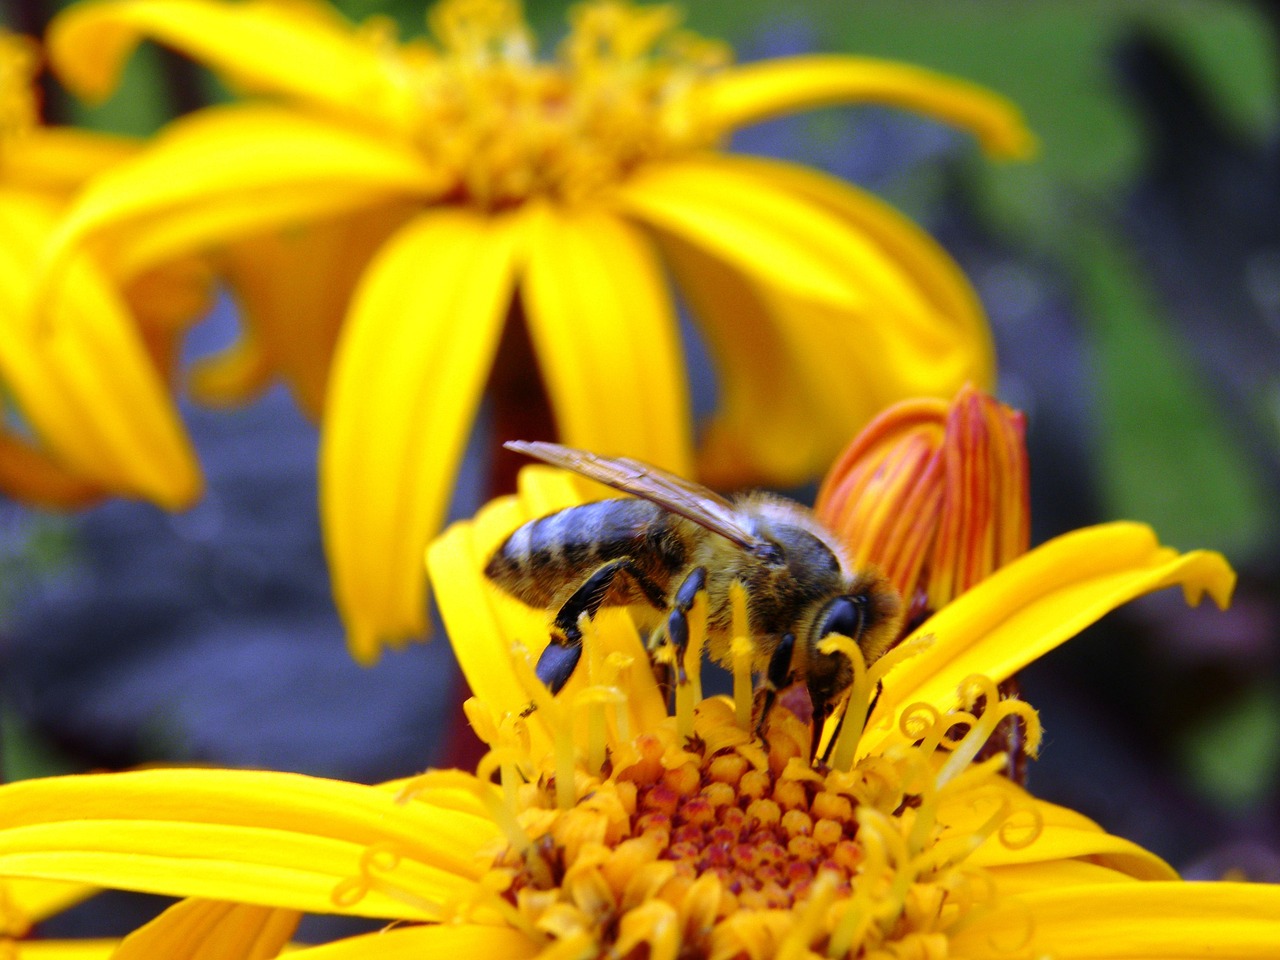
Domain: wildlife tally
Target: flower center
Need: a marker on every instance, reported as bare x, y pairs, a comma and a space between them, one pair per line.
504, 127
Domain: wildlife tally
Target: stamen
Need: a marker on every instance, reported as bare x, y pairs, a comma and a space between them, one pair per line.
742, 650
856, 707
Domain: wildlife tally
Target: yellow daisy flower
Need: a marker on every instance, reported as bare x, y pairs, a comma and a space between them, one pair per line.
91, 413
432, 195
598, 825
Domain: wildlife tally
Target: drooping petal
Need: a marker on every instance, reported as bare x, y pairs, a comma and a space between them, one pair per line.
81, 376
211, 930
472, 941
1137, 921
32, 476
762, 426
411, 363
1035, 603
301, 50
271, 839
64, 949
953, 344
294, 288
25, 902
768, 233
606, 337
757, 91
234, 171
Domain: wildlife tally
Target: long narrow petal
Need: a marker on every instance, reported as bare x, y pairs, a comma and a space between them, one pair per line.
757, 91
406, 383
272, 839
414, 943
211, 930
1038, 601
25, 902
767, 232
64, 949
82, 378
607, 338
1138, 921
300, 50
228, 172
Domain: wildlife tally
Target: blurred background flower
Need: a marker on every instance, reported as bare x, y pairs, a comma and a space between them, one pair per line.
1129, 277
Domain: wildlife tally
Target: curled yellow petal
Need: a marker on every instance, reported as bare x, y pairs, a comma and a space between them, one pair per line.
406, 383
1040, 600
757, 91
260, 45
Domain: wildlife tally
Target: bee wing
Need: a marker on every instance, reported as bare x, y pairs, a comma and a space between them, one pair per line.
684, 497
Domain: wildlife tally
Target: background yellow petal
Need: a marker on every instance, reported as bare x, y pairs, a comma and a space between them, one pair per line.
607, 338
294, 287
303, 50
270, 839
1037, 602
233, 171
472, 941
757, 91
411, 363
956, 323
211, 930
763, 230
32, 476
1138, 921
25, 902
81, 377
58, 160
766, 412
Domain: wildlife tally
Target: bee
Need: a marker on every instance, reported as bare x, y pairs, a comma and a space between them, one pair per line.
655, 551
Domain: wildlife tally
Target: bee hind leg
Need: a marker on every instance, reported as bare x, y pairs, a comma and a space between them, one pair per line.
560, 657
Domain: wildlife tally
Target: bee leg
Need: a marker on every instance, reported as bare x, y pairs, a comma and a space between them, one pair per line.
777, 676
561, 655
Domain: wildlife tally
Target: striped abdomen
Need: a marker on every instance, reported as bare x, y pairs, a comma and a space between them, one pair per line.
545, 558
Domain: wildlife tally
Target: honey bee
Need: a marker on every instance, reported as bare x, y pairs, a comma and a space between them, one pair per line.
655, 551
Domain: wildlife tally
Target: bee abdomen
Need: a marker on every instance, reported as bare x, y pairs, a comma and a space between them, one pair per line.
541, 557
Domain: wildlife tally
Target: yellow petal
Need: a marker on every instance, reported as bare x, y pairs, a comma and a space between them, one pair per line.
271, 839
955, 342
766, 232
414, 943
64, 949
24, 902
82, 378
1021, 878
607, 338
1137, 921
301, 50
58, 160
228, 172
234, 374
411, 364
211, 930
1040, 600
757, 91
34, 477
294, 288
762, 428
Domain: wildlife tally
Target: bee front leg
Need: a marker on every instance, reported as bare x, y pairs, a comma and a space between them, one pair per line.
776, 677
676, 631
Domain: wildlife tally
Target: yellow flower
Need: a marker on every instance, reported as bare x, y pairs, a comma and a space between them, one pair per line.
95, 413
598, 825
385, 209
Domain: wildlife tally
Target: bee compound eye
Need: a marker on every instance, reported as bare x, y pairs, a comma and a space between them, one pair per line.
844, 615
